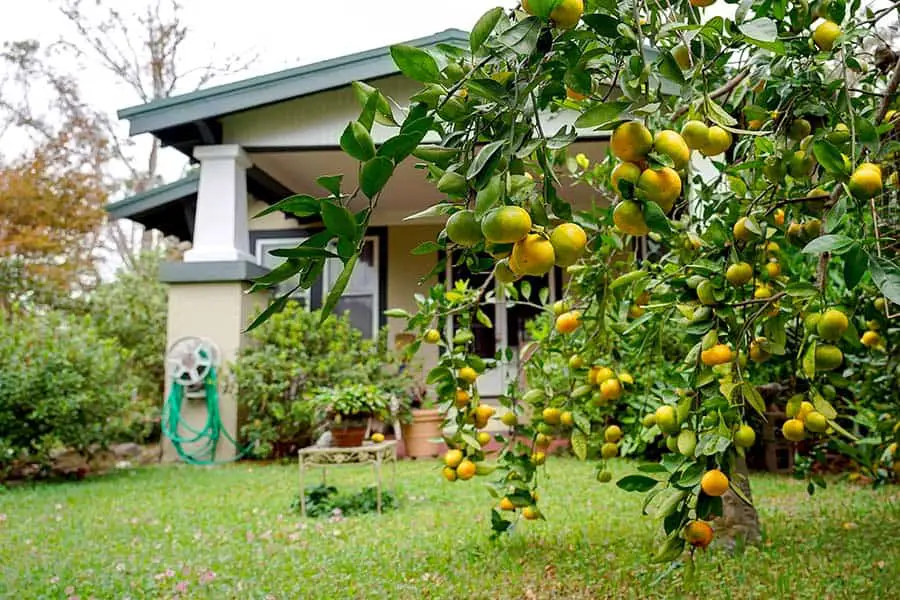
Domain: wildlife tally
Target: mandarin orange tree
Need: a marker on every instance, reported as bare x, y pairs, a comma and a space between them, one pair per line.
736, 240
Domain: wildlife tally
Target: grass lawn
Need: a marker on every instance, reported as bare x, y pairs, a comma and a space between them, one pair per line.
228, 532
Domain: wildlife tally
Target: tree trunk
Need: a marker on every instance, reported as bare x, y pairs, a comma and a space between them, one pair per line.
740, 520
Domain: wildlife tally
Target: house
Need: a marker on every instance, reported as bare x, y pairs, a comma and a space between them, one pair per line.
259, 140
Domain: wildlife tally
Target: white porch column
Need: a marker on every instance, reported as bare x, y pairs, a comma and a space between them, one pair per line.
220, 224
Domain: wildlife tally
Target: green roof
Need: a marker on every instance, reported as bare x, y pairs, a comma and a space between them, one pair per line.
272, 88
153, 208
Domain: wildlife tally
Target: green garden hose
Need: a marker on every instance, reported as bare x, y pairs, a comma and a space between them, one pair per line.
206, 438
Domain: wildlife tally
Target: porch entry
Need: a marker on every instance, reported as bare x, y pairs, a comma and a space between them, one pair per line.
363, 294
508, 318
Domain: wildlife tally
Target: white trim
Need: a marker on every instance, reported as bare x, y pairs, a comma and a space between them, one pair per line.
260, 252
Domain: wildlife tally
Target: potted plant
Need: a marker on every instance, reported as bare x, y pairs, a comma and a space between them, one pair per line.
349, 408
424, 426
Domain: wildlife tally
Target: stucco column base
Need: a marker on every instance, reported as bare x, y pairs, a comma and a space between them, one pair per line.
218, 311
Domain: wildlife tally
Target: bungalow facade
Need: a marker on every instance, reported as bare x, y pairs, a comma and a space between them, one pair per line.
256, 141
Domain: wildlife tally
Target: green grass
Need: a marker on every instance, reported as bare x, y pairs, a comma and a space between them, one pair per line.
140, 534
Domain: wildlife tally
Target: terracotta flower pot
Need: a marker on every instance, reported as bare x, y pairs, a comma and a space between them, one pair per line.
417, 435
348, 437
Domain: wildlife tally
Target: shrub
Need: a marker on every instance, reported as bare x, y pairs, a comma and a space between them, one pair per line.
132, 310
61, 386
280, 378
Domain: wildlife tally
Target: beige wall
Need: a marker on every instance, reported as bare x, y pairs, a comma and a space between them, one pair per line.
219, 312
403, 273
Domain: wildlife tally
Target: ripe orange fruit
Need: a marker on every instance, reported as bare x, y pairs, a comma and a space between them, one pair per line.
468, 374
825, 34
741, 230
551, 415
870, 339
377, 437
432, 336
816, 422
506, 504
566, 419
463, 228
462, 398
631, 141
629, 218
568, 322
465, 470
757, 353
509, 419
832, 325
577, 97
611, 389
739, 273
671, 144
453, 458
714, 483
567, 13
483, 413
717, 355
506, 224
532, 255
866, 181
530, 513
598, 375
569, 241
773, 269
778, 217
612, 434
698, 534
667, 419
662, 186
695, 134
538, 458
719, 141
542, 440
793, 430
609, 450
449, 474
702, 3
625, 171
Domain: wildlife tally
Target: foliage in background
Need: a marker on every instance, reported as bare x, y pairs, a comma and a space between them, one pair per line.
326, 501
294, 356
132, 309
62, 385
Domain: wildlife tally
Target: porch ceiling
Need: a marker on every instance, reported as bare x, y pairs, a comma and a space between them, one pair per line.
407, 192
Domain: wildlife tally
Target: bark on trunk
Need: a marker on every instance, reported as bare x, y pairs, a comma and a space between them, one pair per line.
740, 520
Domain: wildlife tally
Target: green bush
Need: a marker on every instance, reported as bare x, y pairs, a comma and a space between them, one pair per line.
280, 378
326, 501
61, 386
132, 310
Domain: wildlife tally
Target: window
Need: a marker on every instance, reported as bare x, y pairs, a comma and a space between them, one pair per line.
360, 297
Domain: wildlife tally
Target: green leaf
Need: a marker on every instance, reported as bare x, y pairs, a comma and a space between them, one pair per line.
415, 63
801, 289
829, 157
708, 506
397, 313
521, 38
637, 483
370, 108
357, 142
866, 132
489, 196
437, 374
579, 444
669, 68
834, 243
487, 89
824, 406
627, 278
302, 252
564, 137
483, 319
284, 271
484, 159
332, 183
383, 113
299, 205
483, 28
470, 440
809, 360
337, 289
855, 265
603, 25
652, 468
753, 397
692, 475
338, 220
273, 308
762, 29
600, 114
719, 115
425, 248
656, 219
886, 276
400, 146
375, 175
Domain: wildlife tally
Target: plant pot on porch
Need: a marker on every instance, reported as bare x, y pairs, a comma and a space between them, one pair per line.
419, 433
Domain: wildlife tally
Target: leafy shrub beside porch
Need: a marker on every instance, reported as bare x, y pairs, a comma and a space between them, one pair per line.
62, 386
283, 377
